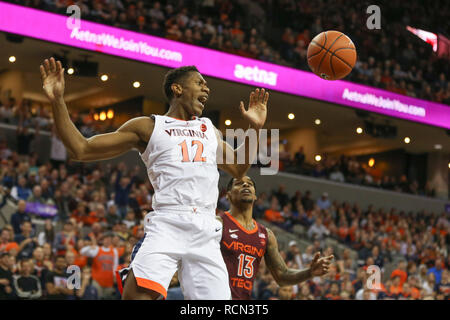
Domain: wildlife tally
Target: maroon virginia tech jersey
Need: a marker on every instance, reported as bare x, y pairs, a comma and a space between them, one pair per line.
242, 251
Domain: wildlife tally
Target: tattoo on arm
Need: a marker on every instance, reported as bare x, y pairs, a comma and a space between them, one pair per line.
275, 263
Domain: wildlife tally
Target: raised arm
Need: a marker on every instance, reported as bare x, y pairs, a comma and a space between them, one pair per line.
133, 134
288, 276
228, 158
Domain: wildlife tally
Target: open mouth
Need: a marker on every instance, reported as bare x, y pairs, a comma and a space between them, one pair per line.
246, 191
202, 100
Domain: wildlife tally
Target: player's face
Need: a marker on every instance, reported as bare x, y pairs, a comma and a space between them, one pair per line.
195, 94
243, 190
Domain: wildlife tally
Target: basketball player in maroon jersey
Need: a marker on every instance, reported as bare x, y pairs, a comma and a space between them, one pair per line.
245, 241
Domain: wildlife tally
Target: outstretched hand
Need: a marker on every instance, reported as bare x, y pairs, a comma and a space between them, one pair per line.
257, 108
320, 266
52, 75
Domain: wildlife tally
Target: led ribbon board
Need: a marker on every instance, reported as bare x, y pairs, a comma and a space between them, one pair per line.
131, 45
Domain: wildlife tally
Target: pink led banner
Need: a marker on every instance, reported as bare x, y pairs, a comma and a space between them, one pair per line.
127, 44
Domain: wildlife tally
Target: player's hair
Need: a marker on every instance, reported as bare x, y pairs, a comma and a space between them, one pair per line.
174, 76
230, 183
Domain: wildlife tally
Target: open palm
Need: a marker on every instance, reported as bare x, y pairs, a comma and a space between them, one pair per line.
257, 108
52, 75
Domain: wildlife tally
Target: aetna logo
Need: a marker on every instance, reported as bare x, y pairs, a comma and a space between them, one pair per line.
255, 74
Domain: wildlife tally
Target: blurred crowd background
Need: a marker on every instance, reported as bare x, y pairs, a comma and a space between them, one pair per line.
90, 215
279, 31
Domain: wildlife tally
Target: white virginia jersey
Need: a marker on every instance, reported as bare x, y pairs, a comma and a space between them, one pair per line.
181, 163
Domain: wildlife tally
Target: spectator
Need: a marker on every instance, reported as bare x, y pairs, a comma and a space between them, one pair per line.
294, 255
36, 196
336, 175
307, 202
26, 240
437, 270
323, 202
400, 272
286, 293
87, 291
318, 230
122, 192
21, 191
19, 217
66, 239
6, 277
282, 196
26, 285
105, 260
56, 281
273, 214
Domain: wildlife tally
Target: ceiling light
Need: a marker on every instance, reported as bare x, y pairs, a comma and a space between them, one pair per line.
70, 71
136, 84
317, 121
371, 162
407, 140
102, 116
227, 122
110, 114
317, 157
104, 77
12, 59
359, 130
438, 146
291, 116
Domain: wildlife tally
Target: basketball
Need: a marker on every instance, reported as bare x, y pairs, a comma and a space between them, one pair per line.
331, 55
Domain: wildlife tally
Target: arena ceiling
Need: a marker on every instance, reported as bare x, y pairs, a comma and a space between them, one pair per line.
336, 133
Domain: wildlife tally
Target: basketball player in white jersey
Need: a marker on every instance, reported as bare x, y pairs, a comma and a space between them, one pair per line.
179, 150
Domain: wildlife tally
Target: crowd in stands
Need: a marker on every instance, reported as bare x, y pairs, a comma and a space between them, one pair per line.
418, 240
351, 170
280, 31
90, 216
33, 118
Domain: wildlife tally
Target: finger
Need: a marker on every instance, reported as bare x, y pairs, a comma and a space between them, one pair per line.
261, 95
256, 96
266, 97
52, 64
47, 66
58, 66
241, 107
316, 257
251, 99
43, 73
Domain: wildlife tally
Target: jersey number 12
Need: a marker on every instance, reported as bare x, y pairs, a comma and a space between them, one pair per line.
198, 154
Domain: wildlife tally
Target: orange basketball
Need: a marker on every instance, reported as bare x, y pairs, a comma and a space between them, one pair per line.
331, 55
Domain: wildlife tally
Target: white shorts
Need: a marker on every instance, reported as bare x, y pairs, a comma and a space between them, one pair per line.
185, 241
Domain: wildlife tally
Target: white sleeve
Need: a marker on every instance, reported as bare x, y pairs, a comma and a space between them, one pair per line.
90, 251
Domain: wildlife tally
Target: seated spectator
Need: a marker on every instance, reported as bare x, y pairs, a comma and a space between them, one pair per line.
400, 272
66, 239
26, 285
333, 293
130, 219
294, 255
436, 270
56, 281
87, 291
48, 234
21, 190
323, 202
20, 216
318, 230
336, 175
273, 214
26, 240
285, 293
6, 277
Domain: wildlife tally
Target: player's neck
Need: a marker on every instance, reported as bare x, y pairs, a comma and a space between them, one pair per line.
244, 215
177, 111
